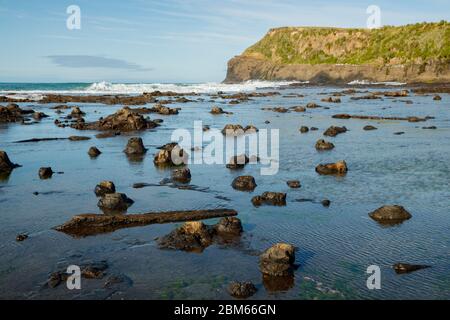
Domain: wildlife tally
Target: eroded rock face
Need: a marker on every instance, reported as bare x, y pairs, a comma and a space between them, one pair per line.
324, 145
338, 168
390, 214
123, 120
170, 154
270, 198
278, 260
94, 152
241, 290
333, 131
244, 183
45, 172
6, 165
181, 175
135, 146
114, 202
104, 187
401, 268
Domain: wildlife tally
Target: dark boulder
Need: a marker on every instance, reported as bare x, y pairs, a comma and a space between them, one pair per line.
94, 152
104, 187
324, 145
45, 172
278, 260
241, 290
333, 131
338, 168
181, 175
400, 268
171, 154
191, 236
293, 184
437, 97
304, 129
114, 202
390, 214
6, 165
135, 146
238, 162
244, 183
229, 226
270, 198
369, 127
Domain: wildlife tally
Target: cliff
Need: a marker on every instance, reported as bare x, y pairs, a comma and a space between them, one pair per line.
411, 53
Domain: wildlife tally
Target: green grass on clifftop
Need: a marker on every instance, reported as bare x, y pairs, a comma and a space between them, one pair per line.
414, 43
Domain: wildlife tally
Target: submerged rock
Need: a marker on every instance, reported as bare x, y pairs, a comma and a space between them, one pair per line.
270, 198
104, 187
21, 237
114, 202
338, 168
390, 214
94, 152
244, 183
228, 226
278, 260
78, 138
326, 202
191, 236
135, 146
293, 184
406, 267
324, 145
39, 115
6, 165
369, 127
181, 175
45, 172
333, 131
241, 290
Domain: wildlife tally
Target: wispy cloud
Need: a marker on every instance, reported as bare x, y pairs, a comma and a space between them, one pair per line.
87, 61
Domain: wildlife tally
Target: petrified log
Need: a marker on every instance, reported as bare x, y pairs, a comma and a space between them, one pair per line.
83, 225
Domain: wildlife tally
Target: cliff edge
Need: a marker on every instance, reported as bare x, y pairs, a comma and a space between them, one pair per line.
415, 53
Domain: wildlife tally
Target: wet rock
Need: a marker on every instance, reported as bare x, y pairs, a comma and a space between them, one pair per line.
241, 290
104, 187
369, 127
181, 175
39, 115
229, 226
56, 278
94, 152
401, 268
326, 203
117, 280
13, 113
324, 145
94, 270
299, 109
191, 236
45, 172
390, 214
6, 165
270, 198
135, 146
277, 283
338, 168
104, 135
244, 183
170, 154
163, 110
218, 110
278, 260
402, 93
430, 128
313, 128
293, 184
238, 162
437, 97
76, 112
78, 138
235, 130
123, 120
333, 131
21, 237
114, 202
331, 99
304, 129
399, 133
312, 105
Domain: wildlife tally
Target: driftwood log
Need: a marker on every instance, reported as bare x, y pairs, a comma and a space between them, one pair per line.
83, 225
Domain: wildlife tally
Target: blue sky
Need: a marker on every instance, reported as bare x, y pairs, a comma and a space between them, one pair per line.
165, 40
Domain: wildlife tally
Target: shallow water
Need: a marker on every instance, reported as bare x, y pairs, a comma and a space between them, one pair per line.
335, 244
